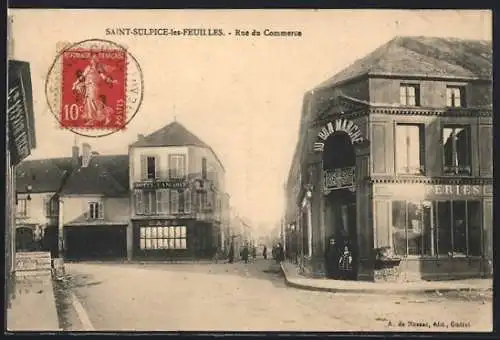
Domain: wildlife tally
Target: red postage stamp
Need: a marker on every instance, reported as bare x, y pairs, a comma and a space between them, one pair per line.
93, 89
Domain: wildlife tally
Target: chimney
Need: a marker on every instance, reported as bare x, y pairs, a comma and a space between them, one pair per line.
75, 156
86, 154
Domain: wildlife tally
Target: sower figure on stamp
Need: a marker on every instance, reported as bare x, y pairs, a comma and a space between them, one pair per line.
88, 82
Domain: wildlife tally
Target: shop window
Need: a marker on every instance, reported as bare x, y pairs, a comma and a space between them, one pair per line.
22, 208
95, 210
459, 225
455, 96
409, 144
457, 150
176, 166
474, 239
163, 237
413, 232
398, 227
444, 228
409, 95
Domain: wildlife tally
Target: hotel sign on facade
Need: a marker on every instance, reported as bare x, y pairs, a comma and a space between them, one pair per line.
161, 185
20, 116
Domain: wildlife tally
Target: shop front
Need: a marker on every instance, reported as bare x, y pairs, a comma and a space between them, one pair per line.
329, 206
439, 231
174, 239
20, 140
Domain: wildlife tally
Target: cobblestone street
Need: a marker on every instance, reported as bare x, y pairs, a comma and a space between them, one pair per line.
245, 297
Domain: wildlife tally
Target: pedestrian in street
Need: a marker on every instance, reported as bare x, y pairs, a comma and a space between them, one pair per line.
264, 252
280, 253
254, 253
332, 256
244, 254
231, 253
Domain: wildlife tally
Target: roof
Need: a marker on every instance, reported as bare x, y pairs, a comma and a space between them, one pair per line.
44, 175
106, 175
173, 134
423, 56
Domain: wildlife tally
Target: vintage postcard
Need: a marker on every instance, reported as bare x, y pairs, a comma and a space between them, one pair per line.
249, 170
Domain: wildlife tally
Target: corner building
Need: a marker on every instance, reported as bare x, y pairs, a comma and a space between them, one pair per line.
396, 151
178, 196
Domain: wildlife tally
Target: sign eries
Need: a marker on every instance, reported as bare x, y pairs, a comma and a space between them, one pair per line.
340, 125
342, 178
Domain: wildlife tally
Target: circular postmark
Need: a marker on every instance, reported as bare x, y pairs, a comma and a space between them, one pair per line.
94, 87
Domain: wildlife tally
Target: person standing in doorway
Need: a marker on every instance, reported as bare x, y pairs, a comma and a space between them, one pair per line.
332, 256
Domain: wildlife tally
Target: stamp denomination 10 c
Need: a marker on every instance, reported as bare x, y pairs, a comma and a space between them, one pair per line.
94, 88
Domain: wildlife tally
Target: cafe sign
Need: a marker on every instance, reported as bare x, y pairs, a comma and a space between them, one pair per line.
341, 178
339, 125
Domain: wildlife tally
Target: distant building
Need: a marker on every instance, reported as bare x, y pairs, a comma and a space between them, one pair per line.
164, 200
396, 151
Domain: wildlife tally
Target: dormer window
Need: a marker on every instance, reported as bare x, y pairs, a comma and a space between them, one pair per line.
409, 95
455, 96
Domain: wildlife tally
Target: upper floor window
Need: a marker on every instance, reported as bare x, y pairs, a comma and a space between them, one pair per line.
51, 207
148, 167
409, 146
22, 207
409, 95
204, 168
455, 96
177, 166
457, 150
95, 210
162, 201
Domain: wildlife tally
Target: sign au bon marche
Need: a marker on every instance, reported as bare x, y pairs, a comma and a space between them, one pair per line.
340, 125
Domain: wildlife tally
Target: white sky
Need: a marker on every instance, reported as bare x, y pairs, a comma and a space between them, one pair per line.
241, 95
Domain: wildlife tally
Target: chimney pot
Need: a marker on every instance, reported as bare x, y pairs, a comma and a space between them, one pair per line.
86, 154
75, 155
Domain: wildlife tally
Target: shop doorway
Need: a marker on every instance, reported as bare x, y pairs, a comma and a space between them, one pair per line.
339, 161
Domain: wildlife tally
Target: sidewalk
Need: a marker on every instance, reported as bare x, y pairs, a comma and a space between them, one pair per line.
33, 307
293, 279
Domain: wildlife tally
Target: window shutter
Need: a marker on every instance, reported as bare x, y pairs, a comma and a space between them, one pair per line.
170, 165
100, 212
159, 199
166, 201
144, 167
187, 201
182, 166
158, 173
174, 201
139, 205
